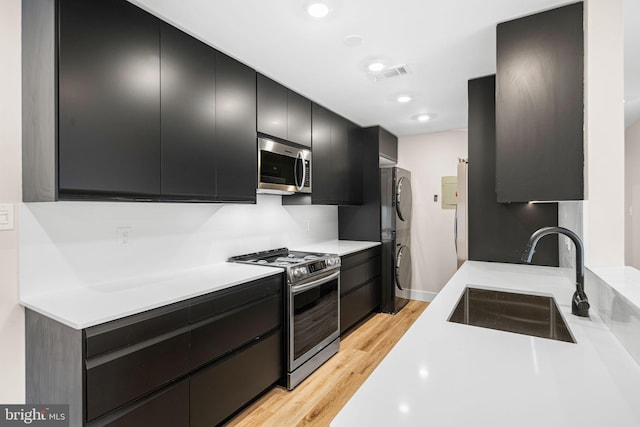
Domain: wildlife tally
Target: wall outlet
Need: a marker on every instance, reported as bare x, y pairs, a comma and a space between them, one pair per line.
124, 236
7, 217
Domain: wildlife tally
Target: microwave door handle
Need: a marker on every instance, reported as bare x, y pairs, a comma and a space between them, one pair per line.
295, 171
306, 286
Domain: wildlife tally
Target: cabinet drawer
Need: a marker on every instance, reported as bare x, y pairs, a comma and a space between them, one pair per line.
168, 408
121, 376
222, 389
230, 299
224, 333
359, 303
352, 260
135, 329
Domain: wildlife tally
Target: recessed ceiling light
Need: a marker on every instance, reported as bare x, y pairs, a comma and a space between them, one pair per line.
353, 40
423, 117
318, 10
404, 99
376, 66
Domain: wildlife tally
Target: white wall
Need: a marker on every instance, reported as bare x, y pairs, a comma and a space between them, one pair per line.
67, 244
430, 157
604, 137
632, 196
11, 314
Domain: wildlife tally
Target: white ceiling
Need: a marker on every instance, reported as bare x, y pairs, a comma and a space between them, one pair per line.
443, 44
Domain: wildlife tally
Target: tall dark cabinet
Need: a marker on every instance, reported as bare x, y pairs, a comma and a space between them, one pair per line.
540, 107
188, 97
499, 231
109, 99
236, 144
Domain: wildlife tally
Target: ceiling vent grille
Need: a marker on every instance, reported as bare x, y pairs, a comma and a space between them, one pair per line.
388, 73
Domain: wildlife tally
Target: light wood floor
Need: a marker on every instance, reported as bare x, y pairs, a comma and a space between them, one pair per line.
321, 396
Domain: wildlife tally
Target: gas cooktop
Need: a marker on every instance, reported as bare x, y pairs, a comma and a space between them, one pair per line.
299, 265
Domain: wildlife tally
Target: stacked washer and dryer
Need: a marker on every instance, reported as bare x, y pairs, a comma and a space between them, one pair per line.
395, 203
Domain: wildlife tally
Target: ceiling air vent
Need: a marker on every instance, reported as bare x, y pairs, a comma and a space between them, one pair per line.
387, 73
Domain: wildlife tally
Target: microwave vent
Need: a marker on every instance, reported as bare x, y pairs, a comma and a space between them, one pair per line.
387, 73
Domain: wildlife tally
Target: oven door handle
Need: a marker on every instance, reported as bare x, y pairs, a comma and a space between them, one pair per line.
306, 286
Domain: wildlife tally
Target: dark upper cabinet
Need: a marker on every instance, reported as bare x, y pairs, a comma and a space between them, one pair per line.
272, 107
388, 145
236, 143
109, 99
540, 106
362, 222
337, 159
283, 113
498, 231
321, 179
188, 99
138, 110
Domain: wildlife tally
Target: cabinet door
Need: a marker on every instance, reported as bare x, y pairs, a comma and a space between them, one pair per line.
298, 119
321, 168
236, 140
272, 107
188, 89
109, 99
540, 108
340, 159
355, 177
388, 145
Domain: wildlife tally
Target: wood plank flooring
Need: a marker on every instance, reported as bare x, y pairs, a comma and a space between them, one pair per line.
321, 396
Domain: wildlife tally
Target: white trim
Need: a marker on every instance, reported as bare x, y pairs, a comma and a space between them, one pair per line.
422, 295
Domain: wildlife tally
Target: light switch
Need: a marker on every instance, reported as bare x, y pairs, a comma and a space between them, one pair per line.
6, 217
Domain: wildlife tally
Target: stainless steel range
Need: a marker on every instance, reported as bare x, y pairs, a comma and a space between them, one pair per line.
312, 306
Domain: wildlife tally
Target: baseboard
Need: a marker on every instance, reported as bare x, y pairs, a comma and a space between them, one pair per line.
422, 295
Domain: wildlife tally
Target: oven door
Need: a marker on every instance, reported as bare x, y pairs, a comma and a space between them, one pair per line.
283, 168
314, 317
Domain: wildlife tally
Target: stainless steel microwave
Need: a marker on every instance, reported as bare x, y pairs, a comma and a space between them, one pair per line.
283, 168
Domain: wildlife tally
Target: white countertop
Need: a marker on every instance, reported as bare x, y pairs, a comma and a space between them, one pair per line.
447, 374
626, 280
340, 247
82, 307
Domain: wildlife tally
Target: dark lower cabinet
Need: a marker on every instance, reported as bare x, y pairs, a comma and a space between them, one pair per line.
220, 390
108, 99
360, 286
195, 362
167, 408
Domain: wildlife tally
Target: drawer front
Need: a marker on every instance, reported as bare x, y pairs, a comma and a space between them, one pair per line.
351, 260
168, 408
135, 329
224, 333
229, 299
356, 305
354, 276
219, 391
118, 377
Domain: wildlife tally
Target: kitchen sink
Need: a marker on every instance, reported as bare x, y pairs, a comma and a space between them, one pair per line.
526, 314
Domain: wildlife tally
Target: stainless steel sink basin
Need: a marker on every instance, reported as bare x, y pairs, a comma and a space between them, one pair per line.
526, 314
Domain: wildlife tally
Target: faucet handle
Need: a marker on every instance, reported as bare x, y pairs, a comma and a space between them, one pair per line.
580, 304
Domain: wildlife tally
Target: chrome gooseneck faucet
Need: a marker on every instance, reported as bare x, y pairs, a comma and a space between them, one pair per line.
579, 302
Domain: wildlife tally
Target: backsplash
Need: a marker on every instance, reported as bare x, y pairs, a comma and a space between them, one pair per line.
68, 244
